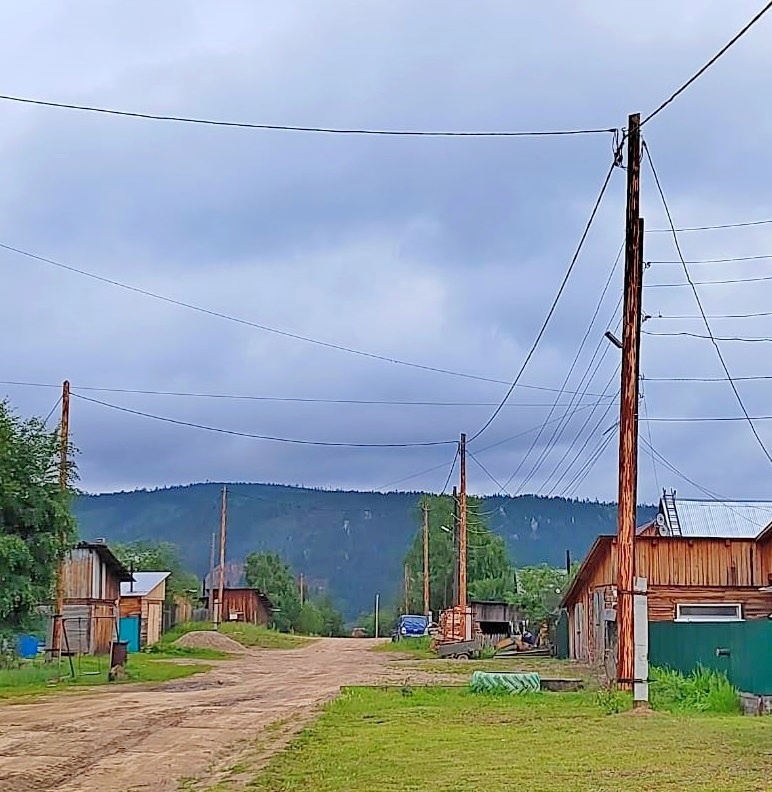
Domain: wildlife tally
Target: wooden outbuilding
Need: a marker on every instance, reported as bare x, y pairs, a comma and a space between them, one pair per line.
704, 561
242, 604
142, 609
91, 578
494, 620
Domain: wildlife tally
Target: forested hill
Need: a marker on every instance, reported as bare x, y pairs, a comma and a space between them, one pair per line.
351, 543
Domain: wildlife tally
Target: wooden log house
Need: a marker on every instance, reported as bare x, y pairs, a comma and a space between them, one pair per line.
704, 561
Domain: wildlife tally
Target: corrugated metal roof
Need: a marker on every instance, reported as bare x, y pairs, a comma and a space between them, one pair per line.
723, 519
144, 583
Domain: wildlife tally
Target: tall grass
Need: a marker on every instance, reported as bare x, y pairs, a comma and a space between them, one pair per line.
417, 647
703, 690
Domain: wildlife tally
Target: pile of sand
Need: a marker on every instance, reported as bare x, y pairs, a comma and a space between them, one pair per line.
209, 639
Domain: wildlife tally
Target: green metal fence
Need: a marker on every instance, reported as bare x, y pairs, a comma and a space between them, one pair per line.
742, 650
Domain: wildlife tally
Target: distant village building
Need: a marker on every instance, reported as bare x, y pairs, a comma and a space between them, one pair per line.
91, 578
241, 604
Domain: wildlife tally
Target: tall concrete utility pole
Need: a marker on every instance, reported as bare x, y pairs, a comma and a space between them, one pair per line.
64, 453
377, 614
223, 531
462, 528
628, 409
406, 583
425, 508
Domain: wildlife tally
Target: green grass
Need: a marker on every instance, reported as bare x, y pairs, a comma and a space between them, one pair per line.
32, 679
452, 740
253, 635
701, 691
545, 666
417, 648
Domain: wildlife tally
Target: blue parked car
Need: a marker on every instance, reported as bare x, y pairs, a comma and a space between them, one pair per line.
410, 626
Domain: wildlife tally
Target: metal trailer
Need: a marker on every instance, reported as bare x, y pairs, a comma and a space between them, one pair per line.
459, 650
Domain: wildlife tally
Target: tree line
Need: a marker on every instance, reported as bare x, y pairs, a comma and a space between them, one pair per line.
491, 574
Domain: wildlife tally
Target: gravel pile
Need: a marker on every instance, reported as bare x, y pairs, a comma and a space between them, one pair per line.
209, 639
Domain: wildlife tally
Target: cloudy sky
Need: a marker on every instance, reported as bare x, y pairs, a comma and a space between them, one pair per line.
437, 251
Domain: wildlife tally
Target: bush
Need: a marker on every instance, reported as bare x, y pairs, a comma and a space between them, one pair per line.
703, 690
613, 701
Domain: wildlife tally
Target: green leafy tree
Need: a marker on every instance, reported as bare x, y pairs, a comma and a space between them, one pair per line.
490, 574
332, 619
267, 572
309, 620
36, 526
387, 621
539, 591
143, 556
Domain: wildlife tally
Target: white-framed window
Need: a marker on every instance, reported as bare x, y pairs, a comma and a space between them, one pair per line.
709, 612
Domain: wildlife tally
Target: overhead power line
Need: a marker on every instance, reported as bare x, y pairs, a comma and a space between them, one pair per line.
709, 227
498, 443
556, 300
700, 307
271, 438
566, 379
762, 257
452, 468
713, 316
705, 418
293, 399
744, 339
751, 378
501, 487
256, 325
293, 128
723, 282
704, 68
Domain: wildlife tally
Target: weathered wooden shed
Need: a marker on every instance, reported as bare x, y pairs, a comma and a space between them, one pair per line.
704, 561
91, 579
494, 620
244, 604
142, 609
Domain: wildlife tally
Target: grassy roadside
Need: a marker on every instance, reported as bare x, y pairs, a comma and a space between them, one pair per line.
415, 648
250, 635
34, 679
443, 739
253, 635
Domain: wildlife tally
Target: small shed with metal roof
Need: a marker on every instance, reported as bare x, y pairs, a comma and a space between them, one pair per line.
142, 605
703, 560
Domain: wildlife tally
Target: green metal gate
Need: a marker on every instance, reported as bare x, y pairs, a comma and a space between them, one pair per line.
742, 650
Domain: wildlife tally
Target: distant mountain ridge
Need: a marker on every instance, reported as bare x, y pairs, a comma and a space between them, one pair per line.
350, 543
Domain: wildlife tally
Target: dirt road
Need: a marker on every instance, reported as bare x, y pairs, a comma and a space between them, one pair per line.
149, 737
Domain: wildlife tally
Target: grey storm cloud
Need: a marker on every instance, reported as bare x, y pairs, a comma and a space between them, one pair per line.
444, 252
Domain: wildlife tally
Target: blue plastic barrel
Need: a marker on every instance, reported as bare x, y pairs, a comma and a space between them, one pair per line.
27, 646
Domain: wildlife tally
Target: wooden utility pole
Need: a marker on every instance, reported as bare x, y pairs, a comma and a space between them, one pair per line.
212, 551
455, 545
223, 530
425, 508
628, 409
462, 528
64, 463
302, 591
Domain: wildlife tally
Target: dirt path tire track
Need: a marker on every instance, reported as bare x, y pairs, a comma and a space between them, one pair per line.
133, 738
